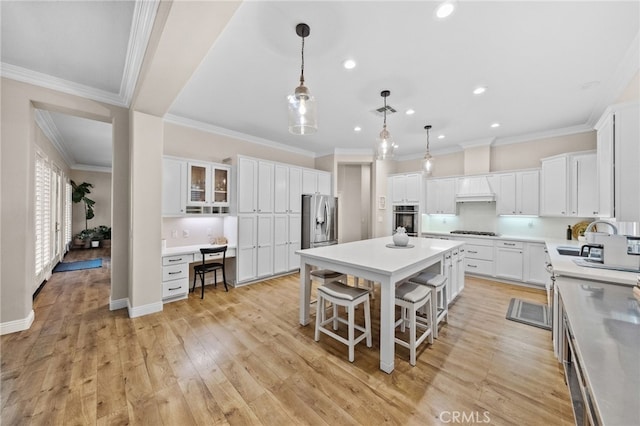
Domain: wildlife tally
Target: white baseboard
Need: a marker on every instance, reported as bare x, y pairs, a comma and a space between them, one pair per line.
17, 325
114, 305
139, 311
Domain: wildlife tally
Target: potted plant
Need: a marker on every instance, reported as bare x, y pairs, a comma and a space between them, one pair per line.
79, 195
95, 238
83, 238
105, 235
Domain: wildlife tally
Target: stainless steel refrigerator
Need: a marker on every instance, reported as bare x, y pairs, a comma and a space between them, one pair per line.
319, 220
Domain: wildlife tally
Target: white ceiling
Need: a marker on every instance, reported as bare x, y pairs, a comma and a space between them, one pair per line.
549, 67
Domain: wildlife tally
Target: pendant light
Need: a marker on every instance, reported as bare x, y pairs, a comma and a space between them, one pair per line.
427, 161
385, 146
302, 106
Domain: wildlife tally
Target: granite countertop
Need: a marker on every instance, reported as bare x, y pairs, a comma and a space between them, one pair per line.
605, 321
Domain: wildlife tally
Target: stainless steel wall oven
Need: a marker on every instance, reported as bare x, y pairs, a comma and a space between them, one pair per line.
408, 217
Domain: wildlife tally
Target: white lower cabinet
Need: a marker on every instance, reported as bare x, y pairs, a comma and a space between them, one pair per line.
535, 271
286, 242
509, 260
265, 246
454, 270
175, 277
255, 247
479, 257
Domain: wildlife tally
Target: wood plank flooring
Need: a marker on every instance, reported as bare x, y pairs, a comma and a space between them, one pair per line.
242, 358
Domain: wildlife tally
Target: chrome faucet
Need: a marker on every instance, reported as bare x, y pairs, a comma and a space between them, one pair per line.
592, 224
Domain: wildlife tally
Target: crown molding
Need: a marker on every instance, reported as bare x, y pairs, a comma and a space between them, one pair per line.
59, 84
144, 15
565, 131
45, 122
210, 128
477, 142
90, 168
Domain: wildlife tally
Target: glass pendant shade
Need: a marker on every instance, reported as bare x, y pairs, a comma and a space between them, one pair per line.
302, 112
302, 105
385, 146
427, 161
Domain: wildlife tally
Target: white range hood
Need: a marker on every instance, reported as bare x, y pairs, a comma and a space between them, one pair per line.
474, 189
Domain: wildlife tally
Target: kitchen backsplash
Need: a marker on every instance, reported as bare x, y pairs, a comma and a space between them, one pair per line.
187, 231
482, 217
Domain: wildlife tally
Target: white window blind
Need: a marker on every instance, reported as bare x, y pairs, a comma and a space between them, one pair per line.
42, 214
39, 259
67, 213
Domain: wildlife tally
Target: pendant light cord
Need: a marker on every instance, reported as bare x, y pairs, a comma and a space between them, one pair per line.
302, 66
385, 113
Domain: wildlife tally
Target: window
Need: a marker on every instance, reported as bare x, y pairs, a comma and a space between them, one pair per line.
42, 213
67, 214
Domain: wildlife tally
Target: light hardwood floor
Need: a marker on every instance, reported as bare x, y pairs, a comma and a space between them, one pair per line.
242, 358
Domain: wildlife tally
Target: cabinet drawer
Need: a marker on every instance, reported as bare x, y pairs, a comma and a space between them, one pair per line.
475, 266
177, 259
510, 244
175, 272
474, 251
175, 288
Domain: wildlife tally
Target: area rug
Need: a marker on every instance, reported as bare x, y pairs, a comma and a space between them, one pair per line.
535, 314
76, 266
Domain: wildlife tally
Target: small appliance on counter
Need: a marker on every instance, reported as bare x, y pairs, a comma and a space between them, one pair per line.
620, 251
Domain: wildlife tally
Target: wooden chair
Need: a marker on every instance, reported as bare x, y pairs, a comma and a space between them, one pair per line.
204, 268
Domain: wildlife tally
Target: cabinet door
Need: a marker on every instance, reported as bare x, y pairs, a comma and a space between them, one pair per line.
220, 188
447, 196
324, 183
247, 190
280, 243
509, 263
295, 190
528, 193
460, 269
535, 271
199, 181
309, 181
281, 189
246, 255
174, 187
605, 168
398, 195
447, 270
506, 202
295, 228
554, 187
265, 187
412, 188
627, 158
432, 196
265, 245
586, 188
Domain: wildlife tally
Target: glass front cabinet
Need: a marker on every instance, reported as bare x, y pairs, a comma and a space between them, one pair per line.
208, 188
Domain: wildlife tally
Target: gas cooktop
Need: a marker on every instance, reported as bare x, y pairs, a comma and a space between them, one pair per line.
487, 233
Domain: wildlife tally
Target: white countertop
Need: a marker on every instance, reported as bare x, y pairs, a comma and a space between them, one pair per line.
374, 255
488, 237
605, 321
566, 267
173, 251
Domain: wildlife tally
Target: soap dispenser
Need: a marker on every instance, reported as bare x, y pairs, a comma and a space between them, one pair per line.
569, 232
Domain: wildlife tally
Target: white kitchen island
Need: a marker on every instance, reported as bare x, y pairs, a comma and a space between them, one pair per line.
373, 260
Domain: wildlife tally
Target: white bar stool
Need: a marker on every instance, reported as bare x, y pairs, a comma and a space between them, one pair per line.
339, 294
439, 307
323, 276
411, 297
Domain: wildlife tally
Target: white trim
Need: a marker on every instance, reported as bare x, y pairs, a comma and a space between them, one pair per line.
210, 128
50, 130
139, 311
144, 15
114, 305
90, 168
545, 134
61, 85
477, 142
17, 325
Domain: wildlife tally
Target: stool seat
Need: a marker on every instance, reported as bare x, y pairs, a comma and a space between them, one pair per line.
439, 306
411, 297
339, 294
325, 274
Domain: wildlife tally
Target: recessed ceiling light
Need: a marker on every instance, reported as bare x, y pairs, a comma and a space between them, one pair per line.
357, 129
479, 90
445, 9
410, 111
440, 136
349, 64
494, 125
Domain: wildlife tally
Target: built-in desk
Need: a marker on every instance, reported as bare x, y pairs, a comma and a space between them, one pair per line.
176, 266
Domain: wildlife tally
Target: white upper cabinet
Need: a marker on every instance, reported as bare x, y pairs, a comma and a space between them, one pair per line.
174, 187
569, 185
406, 189
519, 193
316, 181
618, 159
287, 189
255, 186
265, 187
441, 196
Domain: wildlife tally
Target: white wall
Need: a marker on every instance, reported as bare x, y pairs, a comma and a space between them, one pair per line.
187, 231
100, 193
